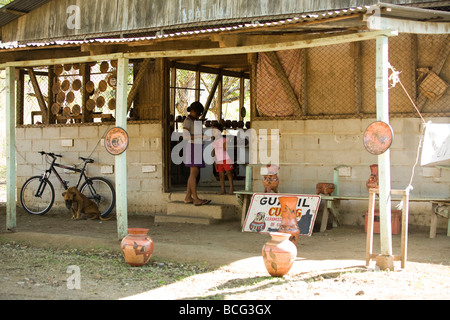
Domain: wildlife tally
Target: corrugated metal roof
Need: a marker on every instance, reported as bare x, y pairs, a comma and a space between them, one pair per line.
17, 8
294, 21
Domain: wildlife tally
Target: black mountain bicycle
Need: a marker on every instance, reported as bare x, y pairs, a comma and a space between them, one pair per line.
38, 195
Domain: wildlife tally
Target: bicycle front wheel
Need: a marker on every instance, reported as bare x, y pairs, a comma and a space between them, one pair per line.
102, 192
37, 195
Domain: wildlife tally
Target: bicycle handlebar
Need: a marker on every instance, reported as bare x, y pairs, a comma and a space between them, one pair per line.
51, 154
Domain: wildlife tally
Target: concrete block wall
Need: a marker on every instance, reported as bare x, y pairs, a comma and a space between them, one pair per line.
310, 150
145, 193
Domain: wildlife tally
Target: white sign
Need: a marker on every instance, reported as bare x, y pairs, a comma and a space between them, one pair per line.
264, 213
436, 145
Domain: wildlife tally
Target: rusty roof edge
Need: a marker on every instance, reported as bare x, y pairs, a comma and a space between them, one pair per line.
188, 29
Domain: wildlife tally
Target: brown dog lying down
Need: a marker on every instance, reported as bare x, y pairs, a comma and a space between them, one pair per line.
73, 198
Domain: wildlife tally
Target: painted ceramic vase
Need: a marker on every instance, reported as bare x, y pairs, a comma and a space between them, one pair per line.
289, 218
279, 254
271, 183
137, 247
372, 183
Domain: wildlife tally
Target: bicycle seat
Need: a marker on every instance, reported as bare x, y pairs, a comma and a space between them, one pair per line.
87, 160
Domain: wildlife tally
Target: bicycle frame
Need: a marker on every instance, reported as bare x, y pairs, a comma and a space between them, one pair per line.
64, 183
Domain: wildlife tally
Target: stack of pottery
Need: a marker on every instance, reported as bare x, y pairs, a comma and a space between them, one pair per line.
280, 252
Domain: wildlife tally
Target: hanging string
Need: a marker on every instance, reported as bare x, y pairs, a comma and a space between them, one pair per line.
394, 77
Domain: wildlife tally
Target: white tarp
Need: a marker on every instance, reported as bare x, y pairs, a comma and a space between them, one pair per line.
436, 144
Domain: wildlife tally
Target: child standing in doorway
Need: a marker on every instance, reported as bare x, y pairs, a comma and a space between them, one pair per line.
223, 162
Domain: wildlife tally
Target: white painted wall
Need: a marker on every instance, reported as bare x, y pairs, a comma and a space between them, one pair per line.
319, 146
145, 193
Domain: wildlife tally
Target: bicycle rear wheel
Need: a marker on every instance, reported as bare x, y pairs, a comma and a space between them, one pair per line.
37, 195
102, 192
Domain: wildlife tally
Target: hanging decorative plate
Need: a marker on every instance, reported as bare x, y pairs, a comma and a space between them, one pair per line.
66, 112
76, 85
112, 104
100, 102
56, 107
102, 86
90, 105
378, 137
76, 110
90, 86
65, 85
60, 97
70, 97
104, 67
116, 141
58, 69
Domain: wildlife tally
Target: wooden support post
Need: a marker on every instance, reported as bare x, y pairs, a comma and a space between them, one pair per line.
384, 164
10, 105
385, 261
246, 197
39, 96
137, 81
370, 219
121, 160
405, 222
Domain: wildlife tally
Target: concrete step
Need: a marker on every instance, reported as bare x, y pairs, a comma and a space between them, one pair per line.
184, 219
210, 211
213, 196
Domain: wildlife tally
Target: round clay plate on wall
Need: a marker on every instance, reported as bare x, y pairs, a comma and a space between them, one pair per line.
55, 108
116, 141
378, 137
76, 85
90, 105
76, 110
70, 97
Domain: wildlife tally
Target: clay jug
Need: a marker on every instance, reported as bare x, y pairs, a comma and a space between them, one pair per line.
279, 254
137, 247
289, 218
372, 183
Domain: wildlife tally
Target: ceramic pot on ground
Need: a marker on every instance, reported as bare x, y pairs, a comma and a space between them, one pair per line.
137, 247
372, 183
289, 218
279, 254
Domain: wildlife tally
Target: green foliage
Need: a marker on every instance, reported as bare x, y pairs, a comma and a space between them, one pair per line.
5, 2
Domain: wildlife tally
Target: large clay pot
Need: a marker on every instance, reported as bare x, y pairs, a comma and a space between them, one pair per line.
289, 218
279, 254
372, 183
137, 247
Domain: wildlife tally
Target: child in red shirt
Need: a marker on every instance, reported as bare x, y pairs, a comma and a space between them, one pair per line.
223, 162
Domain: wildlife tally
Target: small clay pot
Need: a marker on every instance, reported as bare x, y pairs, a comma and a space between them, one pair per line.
325, 188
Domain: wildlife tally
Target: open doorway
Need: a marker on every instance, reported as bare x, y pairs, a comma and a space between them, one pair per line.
225, 94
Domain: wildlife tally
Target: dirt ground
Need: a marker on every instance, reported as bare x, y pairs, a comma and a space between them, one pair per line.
208, 262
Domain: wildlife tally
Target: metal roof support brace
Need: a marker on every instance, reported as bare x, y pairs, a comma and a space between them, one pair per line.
385, 261
121, 160
10, 104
